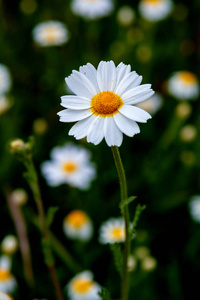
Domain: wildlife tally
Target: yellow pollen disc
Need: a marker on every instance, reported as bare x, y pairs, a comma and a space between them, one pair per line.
188, 77
152, 1
69, 167
106, 104
76, 218
51, 34
4, 275
82, 286
118, 233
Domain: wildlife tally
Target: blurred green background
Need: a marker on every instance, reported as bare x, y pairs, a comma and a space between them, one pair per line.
162, 169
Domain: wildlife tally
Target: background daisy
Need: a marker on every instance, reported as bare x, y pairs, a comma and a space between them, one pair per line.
69, 164
105, 102
194, 208
5, 79
183, 85
77, 225
92, 9
155, 10
50, 33
112, 231
82, 287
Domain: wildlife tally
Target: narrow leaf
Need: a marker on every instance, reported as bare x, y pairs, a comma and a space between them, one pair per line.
118, 257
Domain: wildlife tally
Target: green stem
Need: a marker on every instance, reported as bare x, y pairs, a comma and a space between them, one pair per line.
34, 185
125, 213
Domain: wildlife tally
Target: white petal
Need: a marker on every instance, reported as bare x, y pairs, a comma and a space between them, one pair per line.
113, 135
130, 81
91, 73
122, 71
70, 115
80, 129
96, 133
140, 98
75, 102
136, 91
127, 126
106, 76
135, 113
80, 85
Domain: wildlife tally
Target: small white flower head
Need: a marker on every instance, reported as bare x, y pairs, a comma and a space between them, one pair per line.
4, 296
5, 79
112, 231
104, 103
69, 164
82, 287
7, 281
155, 10
188, 133
50, 33
92, 9
9, 244
183, 85
5, 104
77, 225
125, 15
153, 104
194, 208
19, 197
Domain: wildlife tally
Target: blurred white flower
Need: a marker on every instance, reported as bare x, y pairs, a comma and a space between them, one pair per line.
92, 9
77, 225
149, 263
19, 196
7, 281
155, 10
112, 231
183, 85
125, 15
188, 133
194, 208
82, 287
153, 104
5, 79
4, 296
9, 244
50, 33
69, 164
104, 104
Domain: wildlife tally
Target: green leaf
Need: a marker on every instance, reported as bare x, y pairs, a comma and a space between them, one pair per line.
104, 294
127, 201
118, 257
50, 215
138, 211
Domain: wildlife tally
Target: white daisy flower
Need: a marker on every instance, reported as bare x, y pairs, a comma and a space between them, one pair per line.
153, 104
5, 79
50, 33
82, 287
69, 164
155, 10
194, 208
4, 296
9, 244
183, 85
77, 225
125, 15
112, 231
92, 9
7, 281
104, 104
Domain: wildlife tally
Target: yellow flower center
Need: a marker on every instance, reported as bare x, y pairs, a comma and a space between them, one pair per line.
4, 275
152, 1
76, 218
118, 233
51, 34
188, 77
69, 167
106, 104
82, 286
